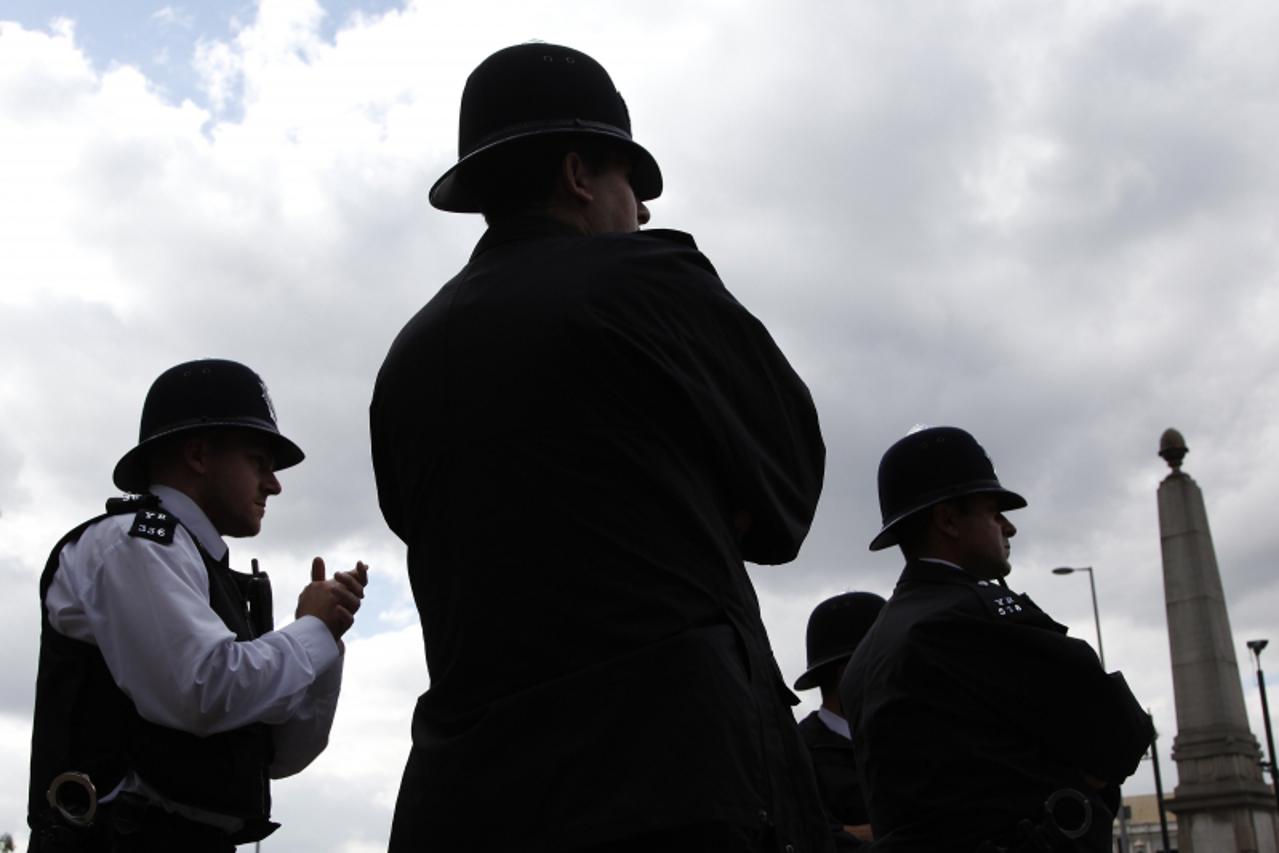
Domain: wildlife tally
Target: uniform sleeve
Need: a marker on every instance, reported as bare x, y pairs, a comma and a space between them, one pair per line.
300, 740
146, 606
1049, 685
755, 412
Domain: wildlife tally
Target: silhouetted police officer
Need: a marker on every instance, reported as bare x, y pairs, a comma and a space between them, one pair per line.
835, 628
978, 724
580, 438
164, 701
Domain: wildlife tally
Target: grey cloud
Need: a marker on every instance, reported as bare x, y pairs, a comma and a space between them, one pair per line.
21, 614
1052, 227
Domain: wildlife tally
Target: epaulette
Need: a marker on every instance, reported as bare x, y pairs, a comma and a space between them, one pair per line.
154, 524
1001, 601
1004, 604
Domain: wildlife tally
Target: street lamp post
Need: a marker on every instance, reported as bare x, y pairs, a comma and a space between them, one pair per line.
1096, 617
1159, 783
1101, 656
1255, 646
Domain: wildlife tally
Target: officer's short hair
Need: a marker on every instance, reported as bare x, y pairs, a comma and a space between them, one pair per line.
522, 179
168, 450
910, 530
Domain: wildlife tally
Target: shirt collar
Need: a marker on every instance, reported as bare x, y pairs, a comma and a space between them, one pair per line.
834, 722
192, 518
941, 563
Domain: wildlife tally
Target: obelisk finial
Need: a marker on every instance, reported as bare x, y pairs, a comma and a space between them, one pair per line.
1172, 447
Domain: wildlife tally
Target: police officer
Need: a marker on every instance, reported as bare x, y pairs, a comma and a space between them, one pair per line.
164, 702
581, 438
835, 628
977, 722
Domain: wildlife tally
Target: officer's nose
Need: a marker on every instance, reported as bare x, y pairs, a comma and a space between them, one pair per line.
272, 484
1009, 530
643, 213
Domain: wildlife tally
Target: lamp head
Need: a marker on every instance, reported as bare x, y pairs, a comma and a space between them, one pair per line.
1257, 645
1063, 570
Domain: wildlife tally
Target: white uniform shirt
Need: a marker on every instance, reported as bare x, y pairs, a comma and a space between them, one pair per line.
145, 605
947, 563
834, 722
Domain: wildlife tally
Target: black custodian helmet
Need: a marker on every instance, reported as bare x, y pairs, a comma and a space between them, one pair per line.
835, 628
931, 466
537, 90
204, 394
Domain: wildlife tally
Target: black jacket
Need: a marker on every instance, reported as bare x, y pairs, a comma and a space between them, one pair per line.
567, 437
969, 706
835, 764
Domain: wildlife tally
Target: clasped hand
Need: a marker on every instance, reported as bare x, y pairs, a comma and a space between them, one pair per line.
335, 600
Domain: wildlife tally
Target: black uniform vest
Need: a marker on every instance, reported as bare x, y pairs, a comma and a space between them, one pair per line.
84, 722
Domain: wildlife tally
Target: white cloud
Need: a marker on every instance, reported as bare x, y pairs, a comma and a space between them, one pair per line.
15, 736
173, 16
360, 771
1053, 226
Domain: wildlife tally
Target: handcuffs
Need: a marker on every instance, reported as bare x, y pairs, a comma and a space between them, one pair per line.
78, 809
1085, 823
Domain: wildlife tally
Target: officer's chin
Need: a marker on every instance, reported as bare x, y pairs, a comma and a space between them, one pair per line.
1001, 570
247, 528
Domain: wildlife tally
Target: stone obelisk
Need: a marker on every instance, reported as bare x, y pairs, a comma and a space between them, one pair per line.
1221, 801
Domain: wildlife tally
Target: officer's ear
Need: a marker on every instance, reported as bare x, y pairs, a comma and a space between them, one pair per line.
197, 452
576, 178
176, 459
945, 518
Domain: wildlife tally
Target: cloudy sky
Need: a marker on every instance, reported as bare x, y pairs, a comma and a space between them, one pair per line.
1053, 224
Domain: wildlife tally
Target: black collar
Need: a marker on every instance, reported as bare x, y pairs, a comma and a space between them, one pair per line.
521, 228
922, 571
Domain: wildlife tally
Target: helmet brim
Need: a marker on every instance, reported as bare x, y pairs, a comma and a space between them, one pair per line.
452, 193
130, 474
808, 680
887, 536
